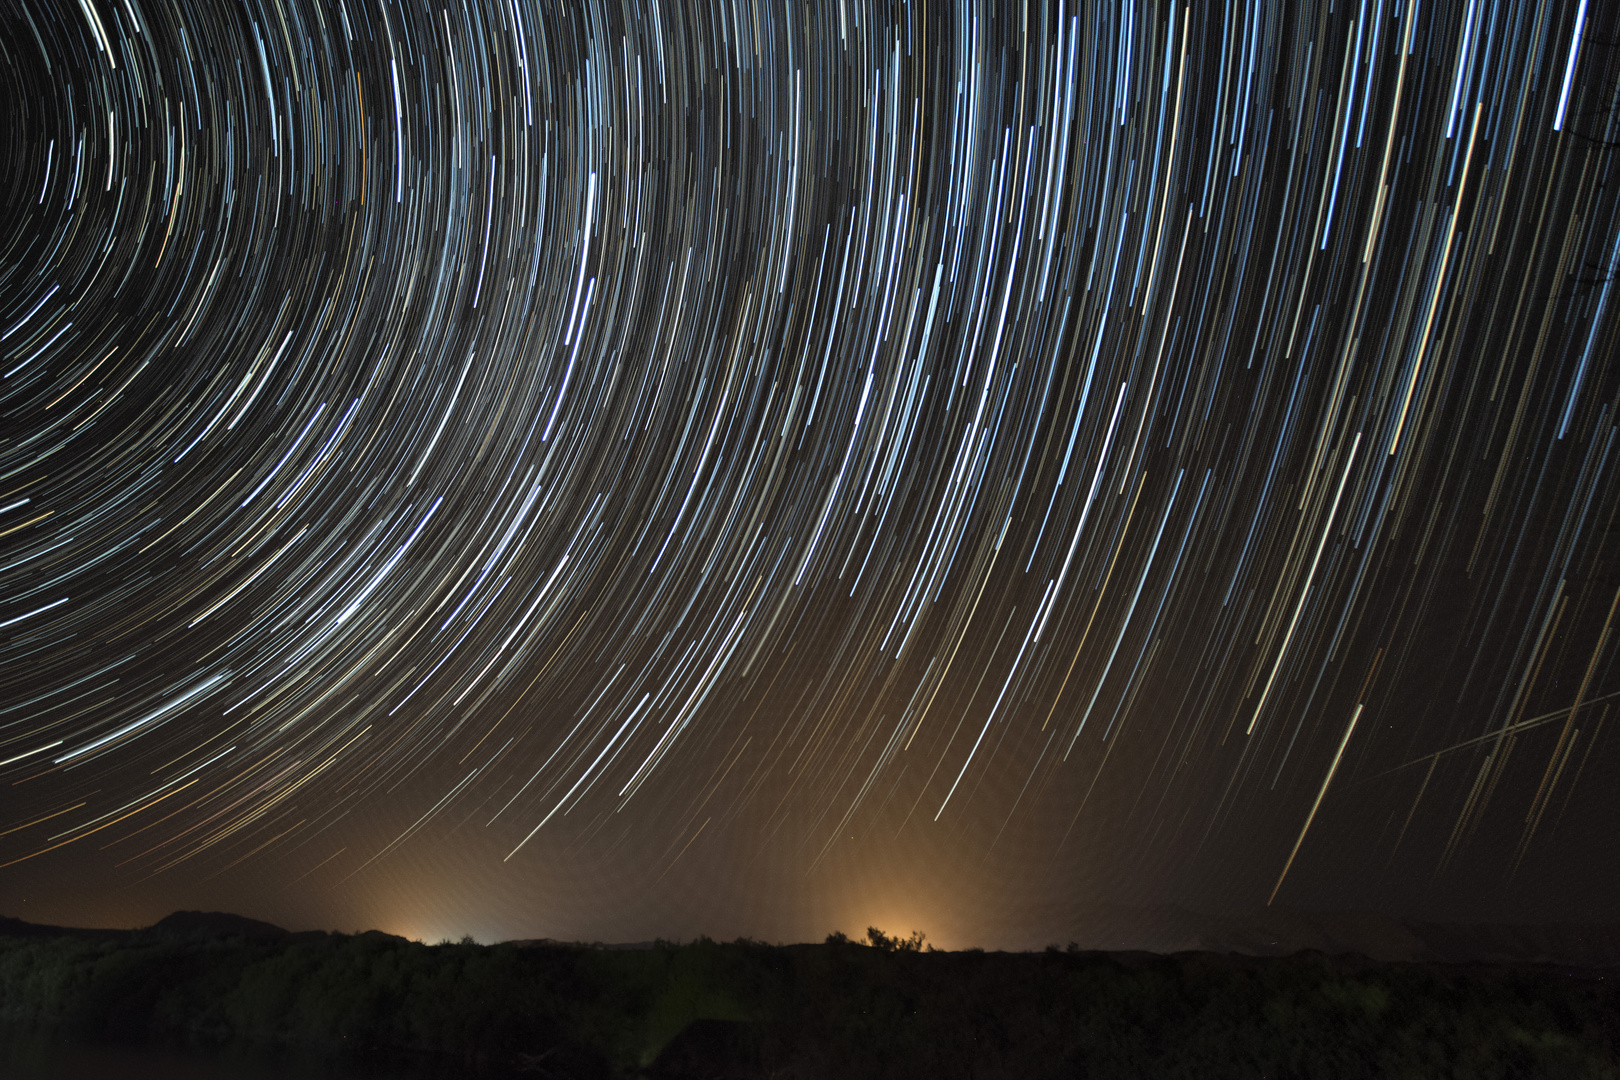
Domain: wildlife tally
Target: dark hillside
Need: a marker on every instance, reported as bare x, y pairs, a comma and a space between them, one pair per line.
840, 1010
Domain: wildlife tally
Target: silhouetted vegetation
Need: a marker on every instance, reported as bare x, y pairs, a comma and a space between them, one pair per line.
889, 1008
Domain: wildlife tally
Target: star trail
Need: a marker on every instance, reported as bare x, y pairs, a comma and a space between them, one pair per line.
459, 450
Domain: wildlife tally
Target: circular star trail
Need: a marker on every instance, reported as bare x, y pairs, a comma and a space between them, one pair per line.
1080, 442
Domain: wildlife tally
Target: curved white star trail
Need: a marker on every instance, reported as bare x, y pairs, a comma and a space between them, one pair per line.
1044, 426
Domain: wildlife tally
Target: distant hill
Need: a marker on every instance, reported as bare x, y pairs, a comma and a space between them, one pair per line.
552, 943
1572, 944
1283, 932
1116, 928
214, 924
187, 924
17, 928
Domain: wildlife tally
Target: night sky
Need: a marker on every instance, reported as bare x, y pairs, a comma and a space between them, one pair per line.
607, 470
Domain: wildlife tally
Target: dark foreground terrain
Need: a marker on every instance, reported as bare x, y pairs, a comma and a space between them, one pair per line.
841, 1010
